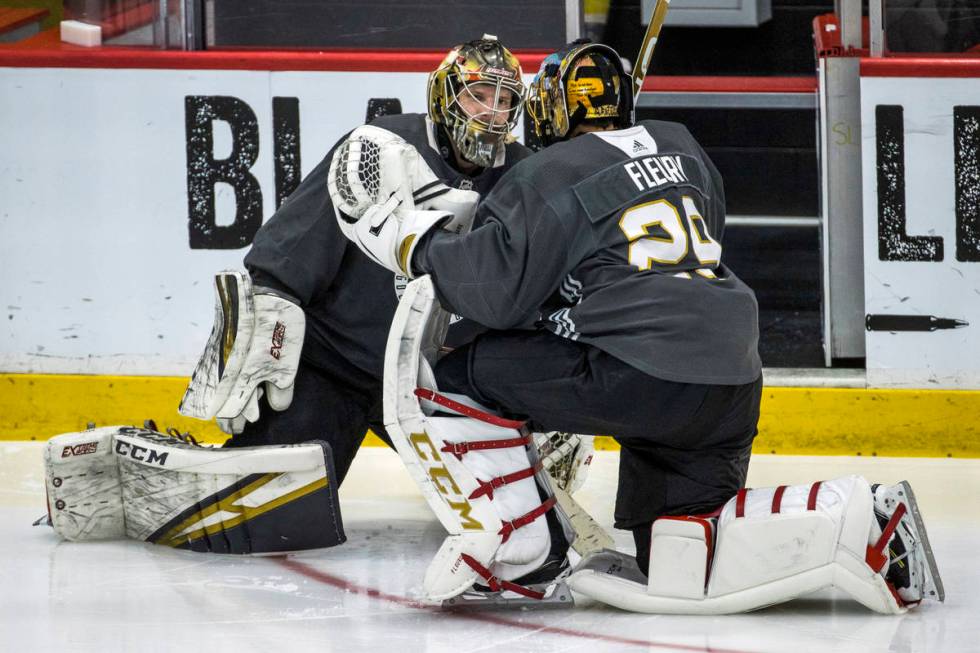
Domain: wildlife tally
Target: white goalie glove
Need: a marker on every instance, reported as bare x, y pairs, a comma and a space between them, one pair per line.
386, 197
254, 350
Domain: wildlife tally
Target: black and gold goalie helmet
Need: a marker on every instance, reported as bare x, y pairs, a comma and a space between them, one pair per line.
477, 94
583, 81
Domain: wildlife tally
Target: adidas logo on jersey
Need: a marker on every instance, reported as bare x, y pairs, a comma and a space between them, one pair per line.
639, 147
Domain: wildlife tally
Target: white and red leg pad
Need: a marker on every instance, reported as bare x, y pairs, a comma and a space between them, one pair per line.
474, 468
485, 476
768, 546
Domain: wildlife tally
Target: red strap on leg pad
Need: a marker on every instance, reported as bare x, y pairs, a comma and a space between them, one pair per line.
473, 467
496, 584
482, 472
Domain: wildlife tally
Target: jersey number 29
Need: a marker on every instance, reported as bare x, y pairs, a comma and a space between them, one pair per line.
677, 234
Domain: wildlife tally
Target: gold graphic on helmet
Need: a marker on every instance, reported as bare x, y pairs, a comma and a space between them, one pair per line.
582, 81
477, 94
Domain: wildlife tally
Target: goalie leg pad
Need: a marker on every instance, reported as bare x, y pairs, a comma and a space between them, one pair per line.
487, 479
81, 476
476, 470
772, 545
157, 489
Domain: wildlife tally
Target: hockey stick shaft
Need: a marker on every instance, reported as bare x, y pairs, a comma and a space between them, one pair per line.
649, 43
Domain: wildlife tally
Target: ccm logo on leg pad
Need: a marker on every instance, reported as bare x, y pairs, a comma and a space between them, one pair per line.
142, 454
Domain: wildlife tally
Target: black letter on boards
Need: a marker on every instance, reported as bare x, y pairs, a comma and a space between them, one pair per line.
285, 129
894, 243
204, 171
966, 153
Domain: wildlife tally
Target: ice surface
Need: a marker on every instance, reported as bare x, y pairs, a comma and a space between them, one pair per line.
131, 596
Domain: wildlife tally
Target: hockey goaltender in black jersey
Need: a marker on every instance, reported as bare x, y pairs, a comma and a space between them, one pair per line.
347, 299
627, 226
599, 262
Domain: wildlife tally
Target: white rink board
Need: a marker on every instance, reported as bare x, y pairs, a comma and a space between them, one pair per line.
96, 270
946, 288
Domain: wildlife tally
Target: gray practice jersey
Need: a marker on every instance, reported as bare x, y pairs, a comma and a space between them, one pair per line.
348, 299
612, 239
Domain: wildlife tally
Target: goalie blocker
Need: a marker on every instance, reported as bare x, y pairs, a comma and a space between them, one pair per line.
253, 351
123, 481
771, 545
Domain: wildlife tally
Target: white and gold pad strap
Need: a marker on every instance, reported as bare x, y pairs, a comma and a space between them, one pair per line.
123, 481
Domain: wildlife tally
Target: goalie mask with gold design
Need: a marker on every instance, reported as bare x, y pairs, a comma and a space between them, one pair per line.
484, 77
581, 82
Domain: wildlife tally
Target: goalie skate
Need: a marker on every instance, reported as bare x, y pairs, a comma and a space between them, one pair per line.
553, 593
911, 566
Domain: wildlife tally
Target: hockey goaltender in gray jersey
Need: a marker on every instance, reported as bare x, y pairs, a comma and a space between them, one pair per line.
348, 299
628, 231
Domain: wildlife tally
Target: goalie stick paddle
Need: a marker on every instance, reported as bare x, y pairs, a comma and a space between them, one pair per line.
649, 43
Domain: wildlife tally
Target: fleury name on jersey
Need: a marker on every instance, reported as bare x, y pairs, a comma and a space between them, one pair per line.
652, 172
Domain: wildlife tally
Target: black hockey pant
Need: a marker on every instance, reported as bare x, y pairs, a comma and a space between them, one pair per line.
323, 408
685, 447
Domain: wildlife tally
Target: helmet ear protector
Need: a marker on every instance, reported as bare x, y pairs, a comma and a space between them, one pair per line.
583, 81
484, 77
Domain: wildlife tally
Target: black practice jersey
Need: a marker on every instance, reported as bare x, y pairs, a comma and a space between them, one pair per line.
349, 300
613, 239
